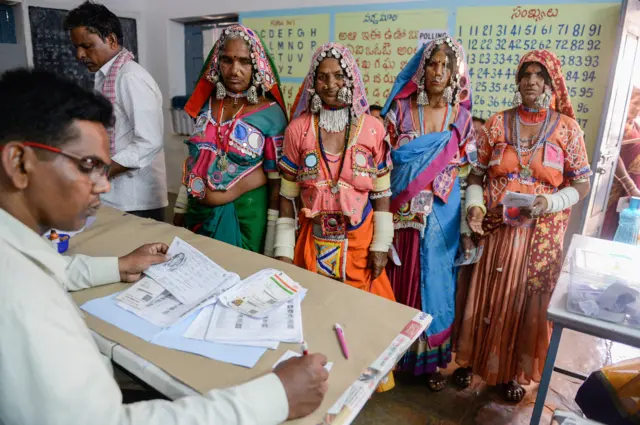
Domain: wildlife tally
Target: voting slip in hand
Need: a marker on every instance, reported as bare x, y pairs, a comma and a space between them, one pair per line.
518, 200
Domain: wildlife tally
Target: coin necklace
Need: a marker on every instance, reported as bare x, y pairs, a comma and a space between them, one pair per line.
333, 181
525, 170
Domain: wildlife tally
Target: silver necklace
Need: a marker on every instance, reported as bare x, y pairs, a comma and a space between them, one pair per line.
334, 120
525, 170
236, 96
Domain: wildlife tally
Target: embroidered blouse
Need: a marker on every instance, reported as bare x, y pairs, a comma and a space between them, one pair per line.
220, 155
366, 159
561, 158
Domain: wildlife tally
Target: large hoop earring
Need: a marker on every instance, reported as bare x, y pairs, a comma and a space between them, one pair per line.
447, 95
423, 99
252, 95
221, 91
544, 100
517, 99
316, 104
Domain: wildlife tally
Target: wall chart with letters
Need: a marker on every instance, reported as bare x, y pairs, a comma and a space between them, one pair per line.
495, 36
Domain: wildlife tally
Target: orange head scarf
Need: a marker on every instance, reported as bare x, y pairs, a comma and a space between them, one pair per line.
551, 63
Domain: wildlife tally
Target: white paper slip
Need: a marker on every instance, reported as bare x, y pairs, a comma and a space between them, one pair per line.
198, 330
260, 293
283, 324
141, 294
190, 276
518, 200
150, 301
291, 354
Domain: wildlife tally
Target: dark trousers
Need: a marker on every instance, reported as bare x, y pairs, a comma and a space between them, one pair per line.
157, 214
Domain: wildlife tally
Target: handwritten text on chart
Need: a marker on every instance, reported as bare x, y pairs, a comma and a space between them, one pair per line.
289, 92
384, 43
496, 38
292, 41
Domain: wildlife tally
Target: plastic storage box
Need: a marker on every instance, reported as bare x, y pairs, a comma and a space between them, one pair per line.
606, 285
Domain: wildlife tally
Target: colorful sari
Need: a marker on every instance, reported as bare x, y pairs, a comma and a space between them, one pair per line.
221, 154
504, 334
426, 166
339, 248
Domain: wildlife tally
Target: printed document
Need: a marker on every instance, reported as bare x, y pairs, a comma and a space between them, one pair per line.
284, 324
190, 276
260, 293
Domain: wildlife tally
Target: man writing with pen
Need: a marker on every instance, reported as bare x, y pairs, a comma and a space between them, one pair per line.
54, 161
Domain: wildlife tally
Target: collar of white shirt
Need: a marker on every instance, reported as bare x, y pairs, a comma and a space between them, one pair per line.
107, 66
34, 246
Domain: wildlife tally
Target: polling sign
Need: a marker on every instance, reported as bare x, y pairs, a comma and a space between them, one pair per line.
425, 36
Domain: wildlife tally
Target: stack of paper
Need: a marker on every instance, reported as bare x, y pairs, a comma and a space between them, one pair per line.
274, 301
173, 290
192, 304
261, 293
171, 337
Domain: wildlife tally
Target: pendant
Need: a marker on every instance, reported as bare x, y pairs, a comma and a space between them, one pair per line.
335, 189
223, 163
525, 172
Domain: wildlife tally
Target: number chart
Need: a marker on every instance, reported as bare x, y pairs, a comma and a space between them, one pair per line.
292, 40
581, 35
383, 43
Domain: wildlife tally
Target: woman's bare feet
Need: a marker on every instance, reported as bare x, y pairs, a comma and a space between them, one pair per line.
462, 377
436, 382
514, 392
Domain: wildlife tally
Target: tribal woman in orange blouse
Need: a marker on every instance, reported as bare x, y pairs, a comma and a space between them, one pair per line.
535, 148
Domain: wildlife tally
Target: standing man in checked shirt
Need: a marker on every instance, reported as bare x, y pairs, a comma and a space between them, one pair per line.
137, 174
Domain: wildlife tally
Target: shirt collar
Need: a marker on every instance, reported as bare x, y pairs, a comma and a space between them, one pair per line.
107, 66
34, 246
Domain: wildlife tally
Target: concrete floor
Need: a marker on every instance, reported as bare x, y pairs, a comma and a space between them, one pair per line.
411, 402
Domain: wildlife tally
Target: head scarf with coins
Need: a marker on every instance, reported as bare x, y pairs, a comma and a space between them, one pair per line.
264, 76
412, 77
353, 94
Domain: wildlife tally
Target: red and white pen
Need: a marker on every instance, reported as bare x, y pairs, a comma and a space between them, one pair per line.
342, 340
305, 348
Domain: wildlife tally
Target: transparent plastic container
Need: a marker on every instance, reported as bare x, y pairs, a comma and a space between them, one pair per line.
606, 285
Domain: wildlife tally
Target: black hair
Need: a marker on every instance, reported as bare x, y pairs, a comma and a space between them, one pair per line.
481, 120
545, 73
39, 106
97, 18
375, 108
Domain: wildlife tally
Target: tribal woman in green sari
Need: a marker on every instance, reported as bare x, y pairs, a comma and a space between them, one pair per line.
230, 178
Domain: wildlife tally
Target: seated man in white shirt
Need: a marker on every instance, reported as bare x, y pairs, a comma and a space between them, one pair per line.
54, 161
137, 174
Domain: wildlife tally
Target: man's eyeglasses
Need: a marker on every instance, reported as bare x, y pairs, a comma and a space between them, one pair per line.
93, 167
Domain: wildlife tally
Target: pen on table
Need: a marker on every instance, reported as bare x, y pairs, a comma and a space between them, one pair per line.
343, 341
305, 348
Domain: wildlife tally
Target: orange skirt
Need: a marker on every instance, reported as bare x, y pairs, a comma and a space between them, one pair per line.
357, 271
504, 333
